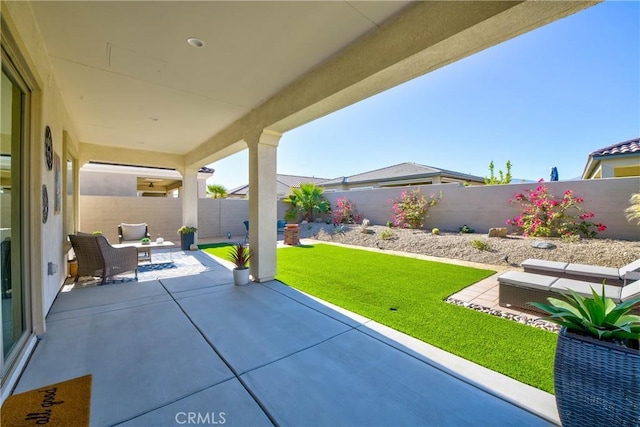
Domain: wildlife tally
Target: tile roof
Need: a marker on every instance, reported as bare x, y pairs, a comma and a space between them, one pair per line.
626, 147
402, 170
295, 180
284, 183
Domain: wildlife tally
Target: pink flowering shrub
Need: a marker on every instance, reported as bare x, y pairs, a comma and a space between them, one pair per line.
345, 212
544, 215
410, 210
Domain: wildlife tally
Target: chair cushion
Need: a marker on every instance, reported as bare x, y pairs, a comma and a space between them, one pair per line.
632, 290
584, 288
133, 231
593, 271
527, 280
542, 264
634, 266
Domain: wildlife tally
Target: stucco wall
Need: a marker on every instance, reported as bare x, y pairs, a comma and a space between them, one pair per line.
480, 207
47, 242
163, 215
483, 207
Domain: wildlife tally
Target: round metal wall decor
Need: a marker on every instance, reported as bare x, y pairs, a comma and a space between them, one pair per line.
48, 147
45, 204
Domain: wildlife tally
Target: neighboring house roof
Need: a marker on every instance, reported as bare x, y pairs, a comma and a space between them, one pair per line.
407, 170
284, 183
626, 148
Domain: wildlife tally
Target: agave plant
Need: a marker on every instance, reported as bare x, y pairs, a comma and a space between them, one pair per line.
599, 317
240, 255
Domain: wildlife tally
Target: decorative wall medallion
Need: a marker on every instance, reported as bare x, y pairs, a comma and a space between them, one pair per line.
48, 147
45, 204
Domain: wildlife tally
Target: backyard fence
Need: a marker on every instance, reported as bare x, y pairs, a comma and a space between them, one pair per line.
479, 207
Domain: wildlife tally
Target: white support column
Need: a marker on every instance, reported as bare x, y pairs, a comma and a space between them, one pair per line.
263, 205
189, 196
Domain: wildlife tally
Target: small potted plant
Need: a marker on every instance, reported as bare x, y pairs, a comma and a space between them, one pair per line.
145, 241
597, 360
187, 236
239, 256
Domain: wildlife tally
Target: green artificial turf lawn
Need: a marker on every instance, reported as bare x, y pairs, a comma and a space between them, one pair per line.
217, 245
370, 284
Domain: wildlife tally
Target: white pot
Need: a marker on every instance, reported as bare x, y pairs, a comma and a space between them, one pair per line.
241, 276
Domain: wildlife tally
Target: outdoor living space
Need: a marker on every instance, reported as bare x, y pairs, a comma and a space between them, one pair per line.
160, 350
107, 124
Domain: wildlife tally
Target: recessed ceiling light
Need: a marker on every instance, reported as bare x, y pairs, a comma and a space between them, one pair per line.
195, 42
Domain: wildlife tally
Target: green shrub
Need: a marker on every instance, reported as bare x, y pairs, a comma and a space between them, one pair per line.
386, 234
465, 229
481, 245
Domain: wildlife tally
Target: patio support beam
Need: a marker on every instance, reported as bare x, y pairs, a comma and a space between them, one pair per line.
189, 196
263, 204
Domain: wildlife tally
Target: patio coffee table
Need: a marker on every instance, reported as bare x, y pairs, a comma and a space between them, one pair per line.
148, 248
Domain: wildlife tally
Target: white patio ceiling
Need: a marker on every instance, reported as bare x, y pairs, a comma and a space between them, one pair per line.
129, 78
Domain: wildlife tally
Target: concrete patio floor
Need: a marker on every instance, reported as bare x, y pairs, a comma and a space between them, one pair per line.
163, 350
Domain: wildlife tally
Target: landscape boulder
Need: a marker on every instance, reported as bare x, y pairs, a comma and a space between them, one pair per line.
497, 232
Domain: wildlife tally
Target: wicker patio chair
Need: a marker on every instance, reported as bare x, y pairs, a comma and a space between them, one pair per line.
97, 258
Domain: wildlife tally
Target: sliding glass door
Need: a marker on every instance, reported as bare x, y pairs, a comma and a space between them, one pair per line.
14, 305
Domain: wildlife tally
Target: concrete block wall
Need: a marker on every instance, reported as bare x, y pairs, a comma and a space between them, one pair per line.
163, 215
103, 213
479, 207
484, 207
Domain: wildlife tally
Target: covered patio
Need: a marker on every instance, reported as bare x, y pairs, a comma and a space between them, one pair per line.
179, 85
161, 351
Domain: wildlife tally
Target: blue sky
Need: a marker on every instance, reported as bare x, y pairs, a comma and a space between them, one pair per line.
546, 98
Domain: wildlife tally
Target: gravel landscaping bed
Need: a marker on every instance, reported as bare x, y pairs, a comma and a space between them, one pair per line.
511, 250
604, 252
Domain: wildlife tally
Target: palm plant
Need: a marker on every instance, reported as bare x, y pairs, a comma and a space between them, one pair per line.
216, 191
308, 199
633, 211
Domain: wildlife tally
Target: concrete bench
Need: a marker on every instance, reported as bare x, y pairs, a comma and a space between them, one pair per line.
517, 288
584, 272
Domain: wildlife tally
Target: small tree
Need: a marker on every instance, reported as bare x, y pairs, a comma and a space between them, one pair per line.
308, 200
504, 178
216, 191
633, 211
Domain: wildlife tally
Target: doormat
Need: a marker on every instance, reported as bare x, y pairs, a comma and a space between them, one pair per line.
63, 404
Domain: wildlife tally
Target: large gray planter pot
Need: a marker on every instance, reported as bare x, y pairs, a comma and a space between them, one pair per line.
597, 383
241, 276
186, 240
